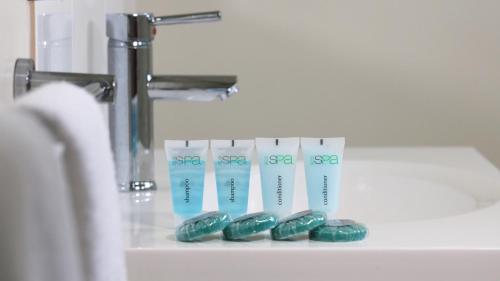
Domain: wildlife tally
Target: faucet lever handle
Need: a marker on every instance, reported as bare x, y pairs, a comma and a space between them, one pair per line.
187, 18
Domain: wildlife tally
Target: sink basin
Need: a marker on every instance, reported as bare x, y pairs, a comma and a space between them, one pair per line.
426, 220
383, 192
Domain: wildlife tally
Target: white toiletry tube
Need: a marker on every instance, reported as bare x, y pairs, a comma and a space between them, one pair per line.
232, 163
186, 165
323, 166
277, 159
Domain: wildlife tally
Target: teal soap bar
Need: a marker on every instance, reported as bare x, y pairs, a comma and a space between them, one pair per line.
339, 231
202, 226
297, 224
247, 225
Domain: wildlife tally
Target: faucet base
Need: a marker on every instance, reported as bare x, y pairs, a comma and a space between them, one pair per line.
140, 186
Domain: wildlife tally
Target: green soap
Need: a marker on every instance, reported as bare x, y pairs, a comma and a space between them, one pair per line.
339, 231
247, 225
202, 226
297, 224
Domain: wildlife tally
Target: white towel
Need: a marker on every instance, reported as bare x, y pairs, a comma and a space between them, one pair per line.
38, 239
74, 117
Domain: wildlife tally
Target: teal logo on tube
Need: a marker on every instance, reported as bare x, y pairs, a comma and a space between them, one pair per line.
275, 159
331, 159
232, 160
186, 160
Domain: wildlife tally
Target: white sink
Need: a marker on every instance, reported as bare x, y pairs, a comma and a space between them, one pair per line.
434, 220
383, 192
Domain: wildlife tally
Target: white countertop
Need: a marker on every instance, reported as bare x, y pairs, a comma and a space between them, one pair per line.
151, 245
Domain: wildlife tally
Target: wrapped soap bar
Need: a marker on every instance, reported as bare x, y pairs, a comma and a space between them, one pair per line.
202, 226
297, 224
339, 231
247, 225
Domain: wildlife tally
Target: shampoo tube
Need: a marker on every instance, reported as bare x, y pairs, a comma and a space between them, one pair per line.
277, 158
323, 163
232, 162
186, 163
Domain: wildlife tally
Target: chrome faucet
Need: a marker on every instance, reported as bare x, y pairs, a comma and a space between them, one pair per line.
134, 89
26, 79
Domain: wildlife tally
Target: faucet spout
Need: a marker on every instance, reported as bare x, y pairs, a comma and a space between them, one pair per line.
191, 88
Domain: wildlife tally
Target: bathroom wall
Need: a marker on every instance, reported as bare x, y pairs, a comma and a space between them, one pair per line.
88, 34
379, 72
87, 31
14, 28
382, 73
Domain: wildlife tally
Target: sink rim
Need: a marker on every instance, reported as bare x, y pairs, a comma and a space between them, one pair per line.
382, 236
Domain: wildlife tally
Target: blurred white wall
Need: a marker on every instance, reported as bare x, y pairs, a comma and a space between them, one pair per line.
88, 31
381, 73
89, 45
15, 32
